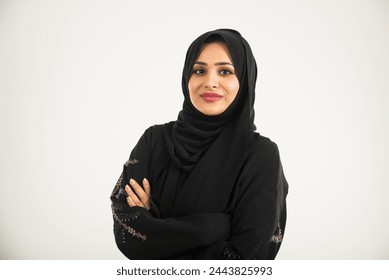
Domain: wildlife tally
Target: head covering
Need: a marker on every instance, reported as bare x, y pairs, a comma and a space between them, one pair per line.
194, 132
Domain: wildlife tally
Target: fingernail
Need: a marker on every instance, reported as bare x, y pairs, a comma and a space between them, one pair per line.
126, 187
144, 180
132, 181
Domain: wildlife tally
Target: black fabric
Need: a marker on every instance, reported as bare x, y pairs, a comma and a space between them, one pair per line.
194, 132
218, 188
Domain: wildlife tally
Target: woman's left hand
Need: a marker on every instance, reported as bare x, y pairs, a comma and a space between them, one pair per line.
138, 196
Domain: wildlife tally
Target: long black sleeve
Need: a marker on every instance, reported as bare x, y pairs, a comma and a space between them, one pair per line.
141, 235
259, 214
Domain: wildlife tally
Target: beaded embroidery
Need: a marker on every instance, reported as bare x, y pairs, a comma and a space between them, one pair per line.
118, 184
277, 238
125, 218
231, 254
121, 192
131, 161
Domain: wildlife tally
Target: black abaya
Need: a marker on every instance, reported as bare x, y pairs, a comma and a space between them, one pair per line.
217, 187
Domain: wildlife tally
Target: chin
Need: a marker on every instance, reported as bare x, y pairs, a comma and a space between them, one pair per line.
212, 112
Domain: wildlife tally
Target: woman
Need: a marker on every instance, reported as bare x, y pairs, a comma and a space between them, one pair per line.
205, 186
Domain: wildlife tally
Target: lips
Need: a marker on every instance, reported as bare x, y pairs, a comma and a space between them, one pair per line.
211, 96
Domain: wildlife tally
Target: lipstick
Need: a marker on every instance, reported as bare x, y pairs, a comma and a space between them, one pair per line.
211, 96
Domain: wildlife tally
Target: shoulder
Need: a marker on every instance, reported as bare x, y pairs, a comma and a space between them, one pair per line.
262, 151
157, 130
154, 135
261, 144
262, 163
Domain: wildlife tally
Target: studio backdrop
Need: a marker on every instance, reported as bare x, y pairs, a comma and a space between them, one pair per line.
80, 81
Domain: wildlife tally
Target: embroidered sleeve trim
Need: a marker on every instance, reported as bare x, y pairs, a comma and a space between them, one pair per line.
231, 254
118, 184
127, 218
278, 237
131, 161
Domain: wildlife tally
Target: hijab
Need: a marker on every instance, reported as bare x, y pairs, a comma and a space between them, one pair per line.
194, 132
211, 149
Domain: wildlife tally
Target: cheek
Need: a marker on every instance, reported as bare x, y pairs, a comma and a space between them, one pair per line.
192, 90
233, 88
193, 86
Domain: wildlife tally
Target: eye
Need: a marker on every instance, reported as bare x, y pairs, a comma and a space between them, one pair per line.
226, 72
198, 71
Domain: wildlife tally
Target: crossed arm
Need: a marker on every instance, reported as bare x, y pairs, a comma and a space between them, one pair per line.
213, 235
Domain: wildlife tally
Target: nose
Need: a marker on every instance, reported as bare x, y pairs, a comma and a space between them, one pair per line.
212, 80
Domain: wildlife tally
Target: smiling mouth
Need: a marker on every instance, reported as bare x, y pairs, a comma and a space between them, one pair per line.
211, 96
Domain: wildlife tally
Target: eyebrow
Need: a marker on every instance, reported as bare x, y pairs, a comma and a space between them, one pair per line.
217, 63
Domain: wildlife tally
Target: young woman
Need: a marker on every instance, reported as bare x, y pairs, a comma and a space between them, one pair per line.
205, 186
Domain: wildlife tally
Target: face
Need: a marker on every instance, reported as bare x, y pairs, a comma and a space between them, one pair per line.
213, 84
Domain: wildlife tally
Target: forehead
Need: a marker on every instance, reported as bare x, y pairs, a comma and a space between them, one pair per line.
214, 52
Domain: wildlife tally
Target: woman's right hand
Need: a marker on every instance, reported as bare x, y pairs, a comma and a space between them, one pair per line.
138, 196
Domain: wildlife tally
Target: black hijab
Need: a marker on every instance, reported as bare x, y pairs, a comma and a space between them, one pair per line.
194, 132
211, 149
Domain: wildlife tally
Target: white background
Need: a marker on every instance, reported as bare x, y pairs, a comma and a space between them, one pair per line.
81, 80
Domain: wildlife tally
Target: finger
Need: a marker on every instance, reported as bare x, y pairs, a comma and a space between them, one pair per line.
130, 202
140, 192
146, 186
133, 198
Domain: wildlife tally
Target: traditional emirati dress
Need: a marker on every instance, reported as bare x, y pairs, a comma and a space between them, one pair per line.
217, 187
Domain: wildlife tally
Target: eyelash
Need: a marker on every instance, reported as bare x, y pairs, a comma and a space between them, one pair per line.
196, 71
